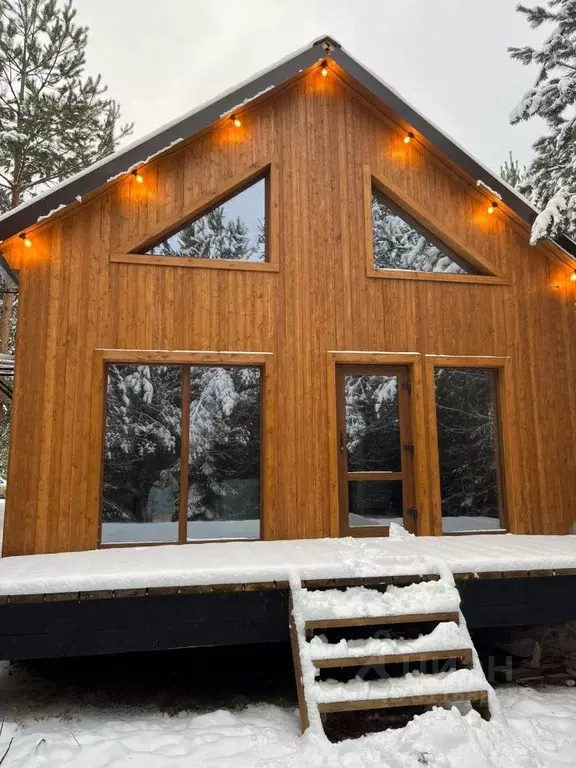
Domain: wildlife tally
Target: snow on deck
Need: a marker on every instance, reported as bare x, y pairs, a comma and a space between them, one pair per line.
265, 561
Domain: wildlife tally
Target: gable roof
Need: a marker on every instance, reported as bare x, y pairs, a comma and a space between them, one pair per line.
142, 151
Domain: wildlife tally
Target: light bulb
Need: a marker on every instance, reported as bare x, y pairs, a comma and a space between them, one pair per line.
408, 138
236, 121
324, 70
138, 177
573, 276
491, 208
26, 240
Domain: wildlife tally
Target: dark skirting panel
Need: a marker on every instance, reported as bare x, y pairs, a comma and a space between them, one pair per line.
162, 622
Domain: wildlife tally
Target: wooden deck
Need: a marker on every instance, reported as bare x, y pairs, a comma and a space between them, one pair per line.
113, 601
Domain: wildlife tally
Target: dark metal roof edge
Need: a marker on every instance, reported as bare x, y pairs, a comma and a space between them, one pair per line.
101, 173
443, 142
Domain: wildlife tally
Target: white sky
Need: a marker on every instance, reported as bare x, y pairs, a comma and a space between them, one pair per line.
161, 58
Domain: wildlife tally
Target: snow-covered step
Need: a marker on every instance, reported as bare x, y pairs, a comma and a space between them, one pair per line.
458, 681
463, 656
317, 607
447, 636
429, 603
479, 700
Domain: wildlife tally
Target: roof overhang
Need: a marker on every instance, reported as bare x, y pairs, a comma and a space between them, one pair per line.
142, 151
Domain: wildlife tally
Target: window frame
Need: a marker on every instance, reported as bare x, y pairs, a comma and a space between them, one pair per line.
431, 227
185, 360
502, 410
132, 252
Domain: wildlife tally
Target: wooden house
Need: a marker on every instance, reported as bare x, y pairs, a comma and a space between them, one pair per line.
300, 311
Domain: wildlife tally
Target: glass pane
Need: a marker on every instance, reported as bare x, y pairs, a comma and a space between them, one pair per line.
142, 454
235, 230
224, 474
372, 423
467, 434
375, 503
400, 244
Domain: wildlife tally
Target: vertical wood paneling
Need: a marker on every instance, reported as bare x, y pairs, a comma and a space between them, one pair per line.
321, 138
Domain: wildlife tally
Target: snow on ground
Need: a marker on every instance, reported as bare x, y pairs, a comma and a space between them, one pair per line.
254, 561
52, 724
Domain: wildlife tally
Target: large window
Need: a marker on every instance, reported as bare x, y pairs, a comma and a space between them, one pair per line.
469, 448
235, 230
401, 243
181, 454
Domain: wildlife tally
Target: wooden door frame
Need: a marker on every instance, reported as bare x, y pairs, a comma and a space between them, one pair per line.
504, 408
263, 360
406, 473
413, 361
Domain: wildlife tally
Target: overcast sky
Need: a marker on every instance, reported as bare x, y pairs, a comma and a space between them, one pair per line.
161, 58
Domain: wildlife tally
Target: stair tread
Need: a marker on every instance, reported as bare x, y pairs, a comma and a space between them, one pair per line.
478, 696
412, 684
446, 636
464, 654
362, 602
359, 621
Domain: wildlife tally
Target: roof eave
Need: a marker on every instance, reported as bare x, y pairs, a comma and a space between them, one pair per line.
101, 173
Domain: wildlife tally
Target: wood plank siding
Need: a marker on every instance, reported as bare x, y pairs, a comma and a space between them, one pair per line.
322, 140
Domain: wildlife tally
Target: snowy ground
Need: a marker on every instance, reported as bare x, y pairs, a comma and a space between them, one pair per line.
165, 711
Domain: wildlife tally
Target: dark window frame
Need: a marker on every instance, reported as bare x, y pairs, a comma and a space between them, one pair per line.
184, 449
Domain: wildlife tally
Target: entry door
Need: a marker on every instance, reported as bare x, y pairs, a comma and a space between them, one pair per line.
376, 452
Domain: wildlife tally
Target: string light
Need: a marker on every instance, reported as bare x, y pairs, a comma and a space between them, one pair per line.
492, 207
324, 70
236, 121
26, 239
137, 176
408, 138
573, 276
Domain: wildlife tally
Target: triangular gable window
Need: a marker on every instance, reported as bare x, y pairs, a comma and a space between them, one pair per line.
234, 230
401, 243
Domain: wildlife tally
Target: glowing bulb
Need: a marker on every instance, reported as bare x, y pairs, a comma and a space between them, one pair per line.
408, 138
573, 276
138, 177
324, 70
27, 241
236, 121
491, 208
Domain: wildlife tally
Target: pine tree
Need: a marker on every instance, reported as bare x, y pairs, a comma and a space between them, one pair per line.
551, 177
213, 236
513, 173
54, 120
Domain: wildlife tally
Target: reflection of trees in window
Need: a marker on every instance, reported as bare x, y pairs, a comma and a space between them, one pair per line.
142, 458
235, 230
142, 437
466, 413
224, 467
372, 423
399, 244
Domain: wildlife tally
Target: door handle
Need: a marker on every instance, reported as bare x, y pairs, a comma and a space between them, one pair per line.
342, 446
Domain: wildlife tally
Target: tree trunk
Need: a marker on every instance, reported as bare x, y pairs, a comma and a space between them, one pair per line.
5, 318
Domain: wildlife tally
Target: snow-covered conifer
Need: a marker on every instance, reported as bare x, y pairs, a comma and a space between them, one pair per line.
551, 176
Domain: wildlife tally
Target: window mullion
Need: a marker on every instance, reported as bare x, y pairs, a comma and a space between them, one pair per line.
184, 455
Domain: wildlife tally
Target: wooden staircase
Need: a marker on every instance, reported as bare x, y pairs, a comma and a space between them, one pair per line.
397, 647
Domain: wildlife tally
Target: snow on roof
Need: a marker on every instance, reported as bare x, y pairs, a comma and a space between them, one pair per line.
265, 561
